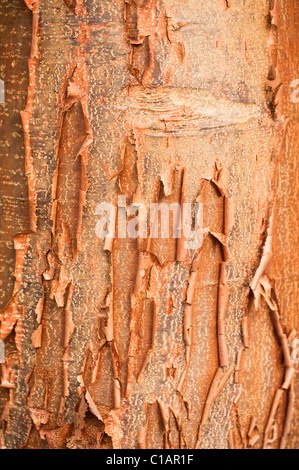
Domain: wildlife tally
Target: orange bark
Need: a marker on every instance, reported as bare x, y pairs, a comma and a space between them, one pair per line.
142, 342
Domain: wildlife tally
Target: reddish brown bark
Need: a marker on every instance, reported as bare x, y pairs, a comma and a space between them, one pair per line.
140, 343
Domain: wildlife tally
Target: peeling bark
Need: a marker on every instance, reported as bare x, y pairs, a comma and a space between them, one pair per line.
145, 343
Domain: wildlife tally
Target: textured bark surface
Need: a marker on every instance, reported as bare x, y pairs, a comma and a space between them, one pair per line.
140, 343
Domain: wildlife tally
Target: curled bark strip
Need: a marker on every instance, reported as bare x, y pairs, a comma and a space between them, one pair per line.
218, 383
37, 337
116, 375
89, 400
288, 378
142, 433
145, 262
269, 430
231, 439
245, 332
266, 258
12, 314
223, 292
74, 91
288, 416
253, 433
267, 293
263, 288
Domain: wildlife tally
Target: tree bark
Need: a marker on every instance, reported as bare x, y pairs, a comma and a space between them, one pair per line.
142, 343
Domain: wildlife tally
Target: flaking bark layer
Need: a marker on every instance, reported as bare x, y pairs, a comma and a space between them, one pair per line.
141, 343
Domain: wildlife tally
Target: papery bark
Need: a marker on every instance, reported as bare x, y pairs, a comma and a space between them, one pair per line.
143, 343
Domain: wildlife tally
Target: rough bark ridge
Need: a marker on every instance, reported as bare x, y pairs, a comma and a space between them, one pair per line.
131, 343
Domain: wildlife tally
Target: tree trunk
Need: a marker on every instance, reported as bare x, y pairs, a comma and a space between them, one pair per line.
143, 342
